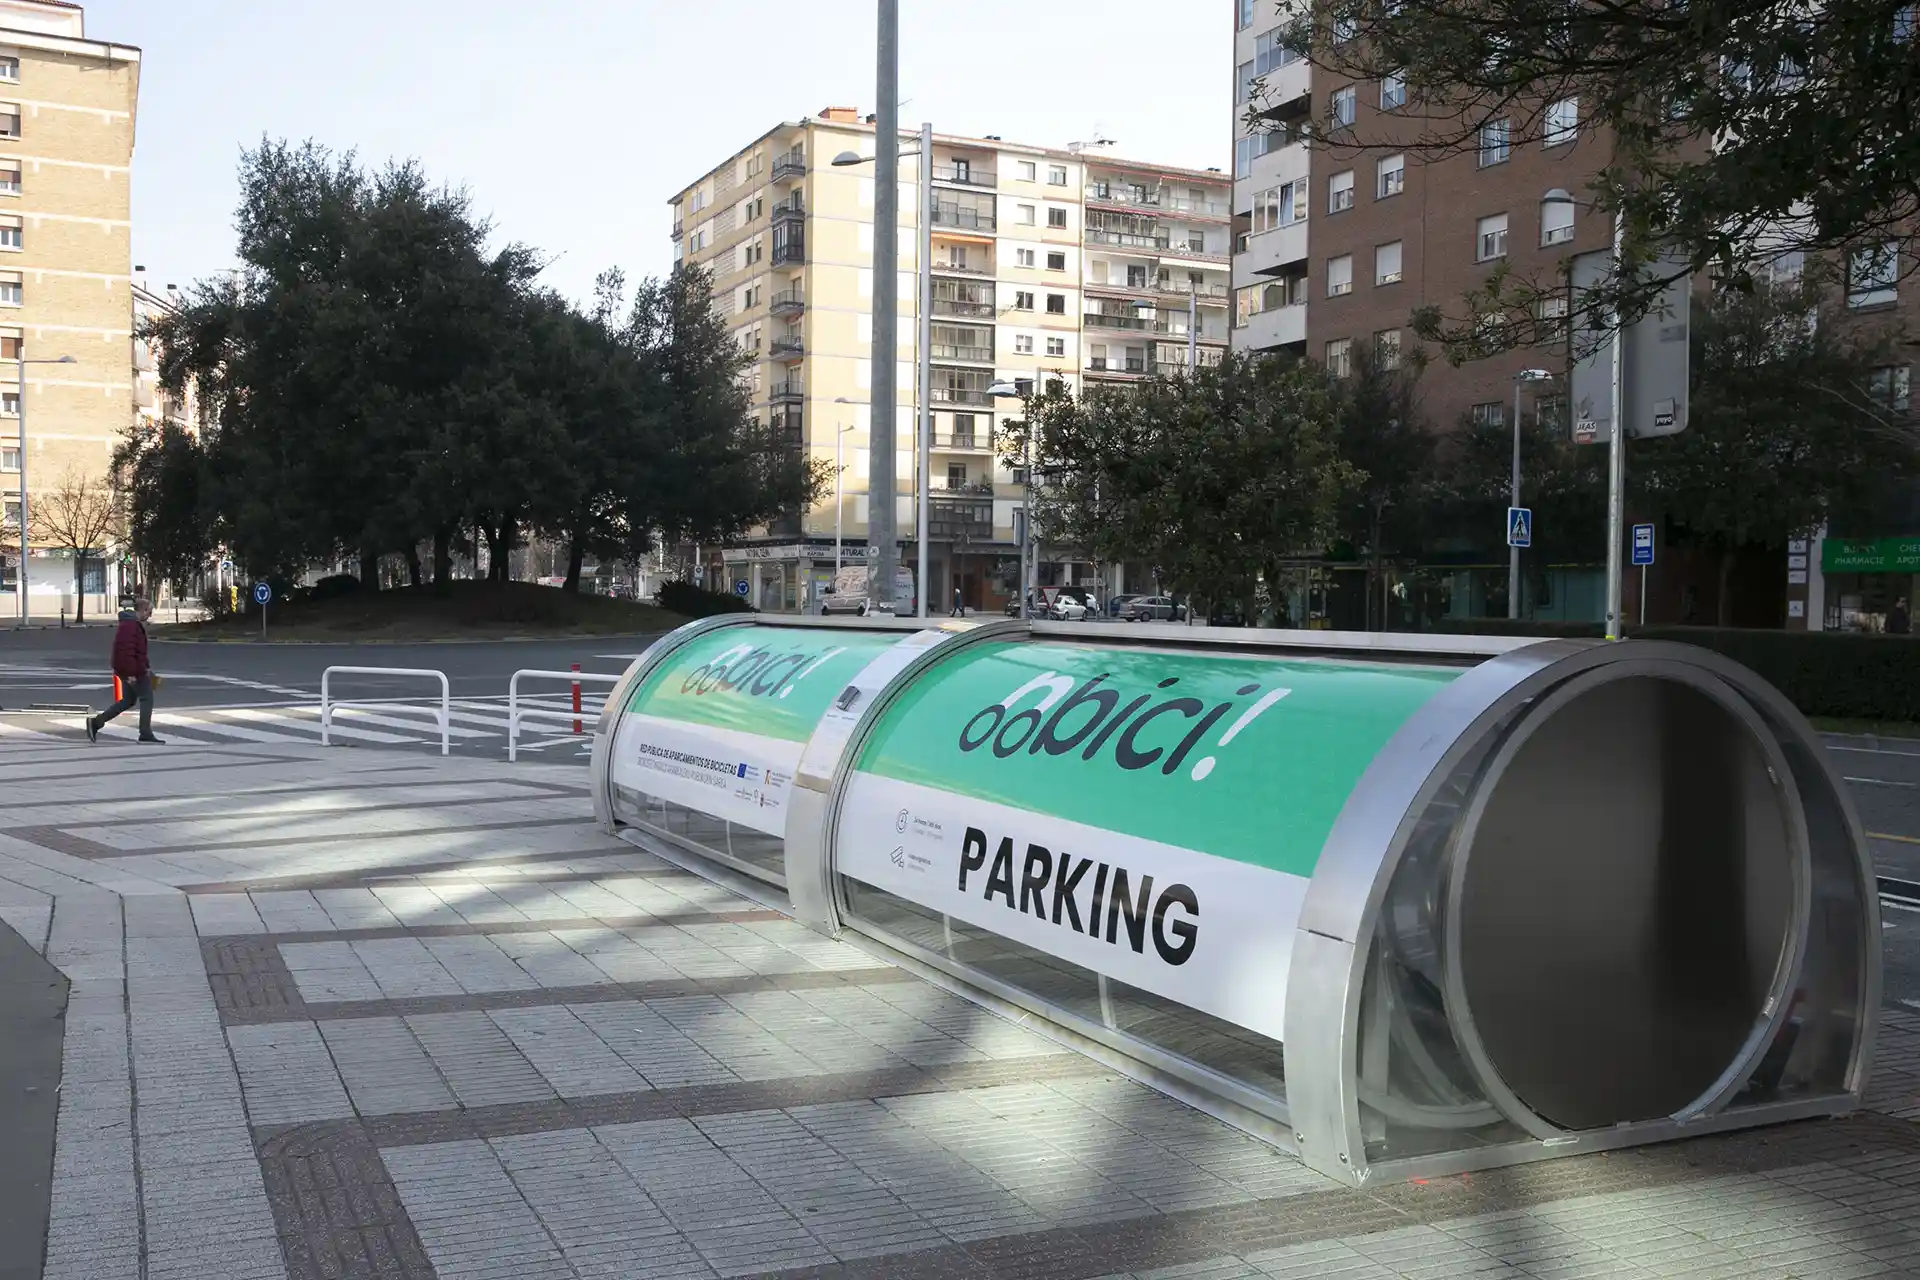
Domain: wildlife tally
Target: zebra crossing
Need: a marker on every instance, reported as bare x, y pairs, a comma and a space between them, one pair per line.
477, 726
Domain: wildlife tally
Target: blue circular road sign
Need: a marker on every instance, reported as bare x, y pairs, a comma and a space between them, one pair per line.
262, 593
740, 586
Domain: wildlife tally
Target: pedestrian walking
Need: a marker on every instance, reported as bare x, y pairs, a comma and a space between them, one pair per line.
959, 606
1899, 620
135, 671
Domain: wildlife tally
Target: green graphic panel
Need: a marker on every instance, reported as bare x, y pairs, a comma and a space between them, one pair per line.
1244, 758
773, 681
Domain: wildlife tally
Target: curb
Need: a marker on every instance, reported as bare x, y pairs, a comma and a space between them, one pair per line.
355, 644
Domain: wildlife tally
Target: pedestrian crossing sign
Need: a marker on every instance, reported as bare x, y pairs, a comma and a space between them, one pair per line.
1519, 527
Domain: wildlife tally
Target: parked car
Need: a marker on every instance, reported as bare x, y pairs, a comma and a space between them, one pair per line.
1116, 605
1068, 608
1154, 609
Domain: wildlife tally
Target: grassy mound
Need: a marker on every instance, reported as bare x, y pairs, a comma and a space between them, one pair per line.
469, 611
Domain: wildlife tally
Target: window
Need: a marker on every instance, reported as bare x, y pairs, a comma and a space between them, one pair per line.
1552, 316
1906, 23
1340, 192
10, 294
1023, 344
1490, 238
1027, 171
10, 233
1871, 275
1494, 147
1339, 275
9, 119
1551, 411
1280, 206
1344, 29
1556, 218
1562, 122
1386, 348
1056, 304
1057, 219
1025, 258
1393, 92
1340, 107
1056, 175
1892, 386
1056, 347
1056, 262
1340, 357
10, 70
10, 179
1027, 213
1390, 177
9, 346
1136, 277
1386, 264
1492, 413
1243, 14
10, 458
1023, 301
12, 510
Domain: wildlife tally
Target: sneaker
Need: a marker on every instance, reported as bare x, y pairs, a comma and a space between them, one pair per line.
93, 729
151, 738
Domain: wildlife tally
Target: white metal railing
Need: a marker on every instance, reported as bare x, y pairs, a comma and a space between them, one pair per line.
327, 702
539, 711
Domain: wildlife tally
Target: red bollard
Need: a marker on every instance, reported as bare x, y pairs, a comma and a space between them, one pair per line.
576, 701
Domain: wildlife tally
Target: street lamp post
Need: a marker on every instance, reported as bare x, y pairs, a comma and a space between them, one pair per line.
1022, 390
923, 334
20, 578
1513, 489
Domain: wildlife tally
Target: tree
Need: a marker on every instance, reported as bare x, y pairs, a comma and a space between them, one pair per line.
1732, 133
1213, 476
158, 472
81, 517
1786, 423
1388, 509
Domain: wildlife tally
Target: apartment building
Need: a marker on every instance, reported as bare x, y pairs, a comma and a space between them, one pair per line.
1046, 264
1336, 246
67, 107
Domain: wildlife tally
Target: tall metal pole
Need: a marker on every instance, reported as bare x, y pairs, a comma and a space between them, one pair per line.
923, 354
1616, 453
1033, 488
20, 578
882, 504
1513, 500
839, 503
1193, 322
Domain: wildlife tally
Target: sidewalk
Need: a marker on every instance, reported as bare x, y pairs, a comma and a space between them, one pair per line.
343, 1014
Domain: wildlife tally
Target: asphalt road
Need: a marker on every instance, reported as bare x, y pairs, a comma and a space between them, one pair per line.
71, 667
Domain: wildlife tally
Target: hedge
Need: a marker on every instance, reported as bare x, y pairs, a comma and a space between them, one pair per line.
690, 601
1843, 674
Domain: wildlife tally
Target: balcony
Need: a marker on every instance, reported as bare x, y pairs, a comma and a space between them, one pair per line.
792, 391
963, 441
788, 349
794, 206
964, 175
1281, 327
1101, 320
959, 269
959, 395
791, 253
1125, 240
952, 215
1184, 249
678, 231
965, 310
958, 352
966, 488
791, 165
1221, 209
1127, 198
1103, 365
788, 302
1204, 292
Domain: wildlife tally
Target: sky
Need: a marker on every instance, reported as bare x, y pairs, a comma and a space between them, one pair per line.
570, 123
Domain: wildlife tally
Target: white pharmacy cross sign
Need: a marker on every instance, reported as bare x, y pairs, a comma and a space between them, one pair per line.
1519, 527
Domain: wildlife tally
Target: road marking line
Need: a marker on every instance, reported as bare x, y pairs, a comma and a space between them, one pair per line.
1885, 782
268, 717
1898, 905
24, 732
173, 720
1874, 751
422, 725
1882, 835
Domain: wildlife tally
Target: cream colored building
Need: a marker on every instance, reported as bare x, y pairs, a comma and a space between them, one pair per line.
789, 239
66, 142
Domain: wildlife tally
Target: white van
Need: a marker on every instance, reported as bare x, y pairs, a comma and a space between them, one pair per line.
849, 592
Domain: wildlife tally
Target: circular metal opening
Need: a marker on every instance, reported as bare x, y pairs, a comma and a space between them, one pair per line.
1626, 900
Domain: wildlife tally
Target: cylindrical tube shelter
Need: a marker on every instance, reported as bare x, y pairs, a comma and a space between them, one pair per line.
1403, 904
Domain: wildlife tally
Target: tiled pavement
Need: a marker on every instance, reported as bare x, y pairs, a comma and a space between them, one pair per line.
337, 1015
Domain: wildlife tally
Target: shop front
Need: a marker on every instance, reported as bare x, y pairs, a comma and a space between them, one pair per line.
1868, 581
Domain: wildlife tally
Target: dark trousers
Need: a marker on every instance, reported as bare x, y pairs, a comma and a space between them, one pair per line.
140, 690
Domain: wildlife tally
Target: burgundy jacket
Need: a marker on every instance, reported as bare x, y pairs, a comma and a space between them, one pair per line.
130, 648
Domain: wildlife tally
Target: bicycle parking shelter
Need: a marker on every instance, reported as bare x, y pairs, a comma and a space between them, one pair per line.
1404, 905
